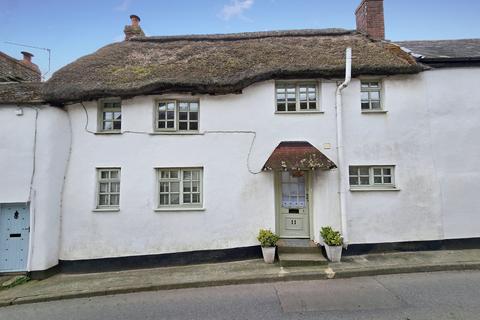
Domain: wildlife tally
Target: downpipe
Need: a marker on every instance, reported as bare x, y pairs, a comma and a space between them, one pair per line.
340, 156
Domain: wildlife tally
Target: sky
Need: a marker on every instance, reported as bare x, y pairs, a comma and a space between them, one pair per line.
71, 29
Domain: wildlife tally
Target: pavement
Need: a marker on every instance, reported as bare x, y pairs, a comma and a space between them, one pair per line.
71, 286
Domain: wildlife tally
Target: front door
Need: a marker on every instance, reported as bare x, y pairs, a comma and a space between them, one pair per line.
14, 237
293, 215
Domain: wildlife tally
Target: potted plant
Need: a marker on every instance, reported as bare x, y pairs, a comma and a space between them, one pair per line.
268, 240
333, 243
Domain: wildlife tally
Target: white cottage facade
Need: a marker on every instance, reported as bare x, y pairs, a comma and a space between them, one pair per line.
185, 172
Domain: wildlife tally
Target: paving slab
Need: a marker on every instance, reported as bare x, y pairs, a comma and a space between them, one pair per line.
68, 286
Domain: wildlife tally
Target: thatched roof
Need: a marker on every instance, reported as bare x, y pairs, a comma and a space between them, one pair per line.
220, 64
21, 93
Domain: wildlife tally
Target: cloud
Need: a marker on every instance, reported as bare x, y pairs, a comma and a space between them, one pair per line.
235, 9
124, 5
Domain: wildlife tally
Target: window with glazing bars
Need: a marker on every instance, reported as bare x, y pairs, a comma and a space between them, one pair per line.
180, 187
108, 188
371, 176
294, 97
111, 116
371, 95
177, 115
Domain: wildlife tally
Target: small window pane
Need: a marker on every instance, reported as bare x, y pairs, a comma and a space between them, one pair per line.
175, 187
103, 187
377, 180
174, 174
195, 198
387, 180
183, 116
376, 105
291, 107
174, 198
170, 124
105, 174
187, 198
107, 126
193, 125
364, 180
363, 170
353, 181
281, 107
114, 199
183, 126
387, 171
377, 171
117, 125
115, 187
187, 175
164, 199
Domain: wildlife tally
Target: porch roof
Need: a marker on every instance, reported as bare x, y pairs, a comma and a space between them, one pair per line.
297, 155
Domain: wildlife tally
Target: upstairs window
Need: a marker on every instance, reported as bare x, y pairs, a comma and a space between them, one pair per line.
372, 176
177, 115
371, 95
110, 115
296, 97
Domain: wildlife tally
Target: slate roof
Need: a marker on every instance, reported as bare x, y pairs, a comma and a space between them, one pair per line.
453, 49
21, 93
12, 69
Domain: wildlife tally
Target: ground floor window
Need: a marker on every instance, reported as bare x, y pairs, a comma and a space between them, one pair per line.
371, 176
108, 188
179, 187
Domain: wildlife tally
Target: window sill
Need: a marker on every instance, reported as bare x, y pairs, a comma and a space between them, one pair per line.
360, 189
106, 210
300, 112
177, 209
109, 132
374, 111
193, 133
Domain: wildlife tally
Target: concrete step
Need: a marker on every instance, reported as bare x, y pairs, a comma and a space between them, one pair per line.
297, 246
301, 259
299, 252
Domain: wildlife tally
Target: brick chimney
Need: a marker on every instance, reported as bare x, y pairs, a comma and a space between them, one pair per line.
27, 61
370, 20
134, 29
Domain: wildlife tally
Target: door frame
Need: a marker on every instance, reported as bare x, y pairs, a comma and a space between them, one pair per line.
278, 196
29, 240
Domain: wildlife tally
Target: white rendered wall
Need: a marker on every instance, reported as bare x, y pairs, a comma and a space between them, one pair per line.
16, 169
431, 144
237, 203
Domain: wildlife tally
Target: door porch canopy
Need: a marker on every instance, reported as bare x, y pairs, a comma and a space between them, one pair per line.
297, 155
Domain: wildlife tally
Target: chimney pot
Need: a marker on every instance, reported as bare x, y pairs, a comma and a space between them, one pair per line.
370, 19
135, 20
27, 56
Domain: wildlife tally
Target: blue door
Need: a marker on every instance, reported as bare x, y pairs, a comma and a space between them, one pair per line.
14, 236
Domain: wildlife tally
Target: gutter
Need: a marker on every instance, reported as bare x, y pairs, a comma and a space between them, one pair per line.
340, 156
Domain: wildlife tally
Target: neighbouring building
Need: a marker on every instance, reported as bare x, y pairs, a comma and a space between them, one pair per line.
185, 146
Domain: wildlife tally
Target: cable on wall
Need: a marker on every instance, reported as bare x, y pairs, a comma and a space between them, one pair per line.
253, 133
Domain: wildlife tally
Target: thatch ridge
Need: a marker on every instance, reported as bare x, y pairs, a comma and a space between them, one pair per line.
221, 64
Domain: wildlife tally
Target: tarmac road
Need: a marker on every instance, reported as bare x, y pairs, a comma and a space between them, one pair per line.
438, 295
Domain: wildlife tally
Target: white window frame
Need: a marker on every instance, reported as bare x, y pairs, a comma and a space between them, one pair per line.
298, 84
109, 193
181, 181
381, 93
372, 184
102, 109
176, 120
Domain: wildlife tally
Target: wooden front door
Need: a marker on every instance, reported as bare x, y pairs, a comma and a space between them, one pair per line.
292, 204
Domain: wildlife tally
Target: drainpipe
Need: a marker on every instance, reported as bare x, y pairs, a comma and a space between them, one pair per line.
341, 174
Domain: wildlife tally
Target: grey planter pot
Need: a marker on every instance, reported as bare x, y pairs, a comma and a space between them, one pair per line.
268, 254
334, 253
